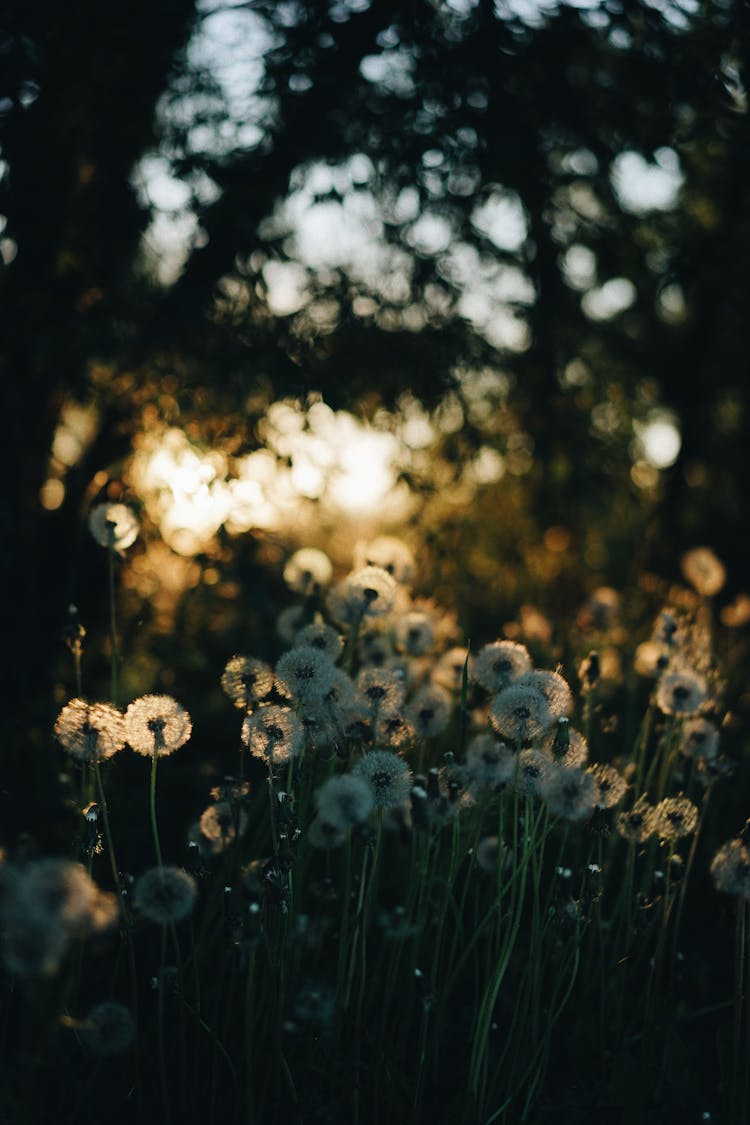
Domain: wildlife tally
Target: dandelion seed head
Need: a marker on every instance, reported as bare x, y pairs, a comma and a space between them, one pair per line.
322, 835
415, 633
704, 571
114, 526
344, 801
321, 637
489, 763
221, 823
365, 593
157, 724
572, 752
520, 713
570, 793
383, 690
499, 664
390, 554
612, 785
61, 889
637, 824
393, 730
449, 670
375, 649
308, 569
681, 693
730, 869
531, 770
165, 894
274, 734
674, 817
246, 681
699, 739
553, 688
90, 731
429, 711
308, 673
388, 776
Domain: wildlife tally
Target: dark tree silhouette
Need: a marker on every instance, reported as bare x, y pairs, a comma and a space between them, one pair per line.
452, 101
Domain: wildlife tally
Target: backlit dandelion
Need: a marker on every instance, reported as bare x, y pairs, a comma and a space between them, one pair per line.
637, 824
520, 713
307, 570
222, 822
674, 817
156, 725
393, 730
553, 688
730, 869
612, 785
390, 554
90, 731
570, 751
699, 739
114, 526
382, 690
704, 571
308, 673
570, 793
497, 665
321, 637
274, 734
246, 681
681, 693
165, 895
368, 592
388, 776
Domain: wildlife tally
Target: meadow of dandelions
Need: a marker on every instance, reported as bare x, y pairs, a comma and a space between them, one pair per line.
434, 882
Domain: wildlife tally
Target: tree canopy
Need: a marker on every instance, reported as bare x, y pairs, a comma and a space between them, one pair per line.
554, 194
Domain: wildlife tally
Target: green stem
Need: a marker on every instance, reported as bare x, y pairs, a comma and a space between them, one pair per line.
154, 826
113, 626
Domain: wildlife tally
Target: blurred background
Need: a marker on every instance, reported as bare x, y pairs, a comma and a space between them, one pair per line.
282, 274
